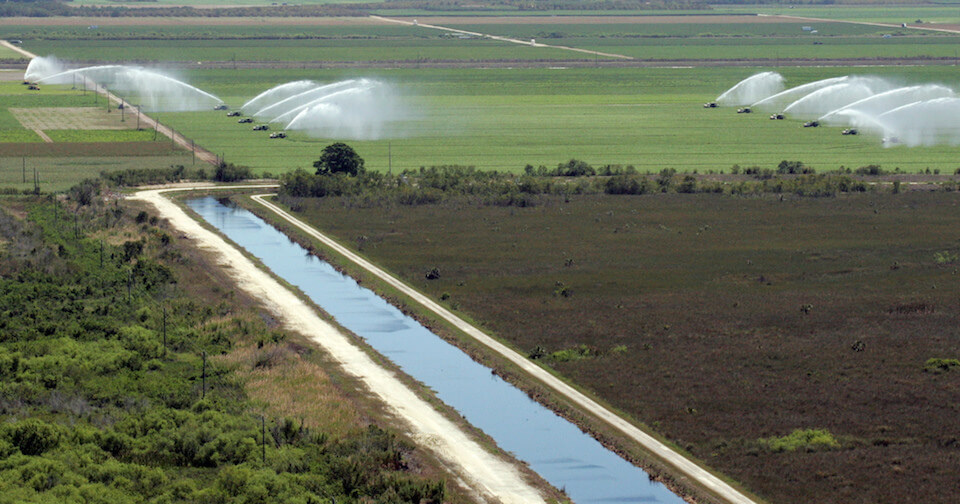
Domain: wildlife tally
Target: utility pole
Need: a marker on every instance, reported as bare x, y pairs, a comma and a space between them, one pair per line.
138, 117
389, 158
193, 151
101, 253
24, 169
204, 376
263, 440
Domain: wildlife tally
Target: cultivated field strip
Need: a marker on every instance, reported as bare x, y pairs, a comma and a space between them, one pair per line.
702, 477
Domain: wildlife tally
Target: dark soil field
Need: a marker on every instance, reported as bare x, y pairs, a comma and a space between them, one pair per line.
721, 322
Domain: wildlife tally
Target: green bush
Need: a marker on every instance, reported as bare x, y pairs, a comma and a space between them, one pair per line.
801, 439
32, 435
937, 365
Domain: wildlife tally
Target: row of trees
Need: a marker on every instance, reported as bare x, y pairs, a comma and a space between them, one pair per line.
340, 172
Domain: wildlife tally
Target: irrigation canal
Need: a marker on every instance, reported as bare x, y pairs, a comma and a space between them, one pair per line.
553, 447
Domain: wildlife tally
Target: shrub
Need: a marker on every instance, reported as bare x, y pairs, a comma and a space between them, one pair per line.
229, 172
870, 170
576, 353
937, 365
801, 439
945, 257
33, 436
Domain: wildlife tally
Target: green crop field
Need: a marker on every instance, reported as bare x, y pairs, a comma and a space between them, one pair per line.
775, 48
79, 135
892, 14
61, 173
650, 29
504, 119
9, 54
407, 49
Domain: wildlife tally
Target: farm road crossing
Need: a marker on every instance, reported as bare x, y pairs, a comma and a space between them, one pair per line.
702, 477
502, 39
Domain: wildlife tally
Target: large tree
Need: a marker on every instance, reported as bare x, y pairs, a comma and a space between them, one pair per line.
339, 158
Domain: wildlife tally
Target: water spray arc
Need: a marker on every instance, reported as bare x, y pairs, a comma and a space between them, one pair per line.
352, 109
926, 114
154, 90
751, 89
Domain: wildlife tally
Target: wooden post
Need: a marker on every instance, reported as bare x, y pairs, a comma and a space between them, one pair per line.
204, 376
263, 440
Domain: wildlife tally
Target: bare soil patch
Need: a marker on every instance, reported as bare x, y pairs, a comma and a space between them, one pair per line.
80, 118
11, 75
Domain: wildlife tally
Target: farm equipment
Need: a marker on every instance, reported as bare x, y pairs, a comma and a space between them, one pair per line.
261, 127
33, 87
278, 134
710, 105
222, 106
744, 110
850, 131
811, 124
245, 120
235, 113
776, 117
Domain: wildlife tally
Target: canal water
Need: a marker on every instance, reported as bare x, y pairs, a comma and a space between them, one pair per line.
553, 447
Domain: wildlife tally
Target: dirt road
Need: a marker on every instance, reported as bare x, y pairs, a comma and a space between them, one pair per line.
502, 39
684, 466
492, 478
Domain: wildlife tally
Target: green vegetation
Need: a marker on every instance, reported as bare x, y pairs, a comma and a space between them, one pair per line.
938, 365
415, 50
504, 119
339, 158
120, 383
801, 439
111, 136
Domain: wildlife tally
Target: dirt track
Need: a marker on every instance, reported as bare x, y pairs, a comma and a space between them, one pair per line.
492, 478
